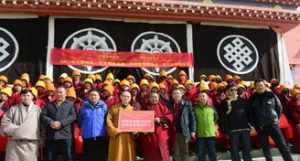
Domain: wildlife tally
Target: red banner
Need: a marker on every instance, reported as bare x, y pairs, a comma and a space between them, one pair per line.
119, 59
136, 121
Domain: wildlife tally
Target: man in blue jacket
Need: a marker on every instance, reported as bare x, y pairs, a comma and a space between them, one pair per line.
92, 118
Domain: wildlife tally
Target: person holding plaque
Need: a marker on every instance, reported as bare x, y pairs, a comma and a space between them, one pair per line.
121, 144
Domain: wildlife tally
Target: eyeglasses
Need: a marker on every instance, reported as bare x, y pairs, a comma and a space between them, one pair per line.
233, 89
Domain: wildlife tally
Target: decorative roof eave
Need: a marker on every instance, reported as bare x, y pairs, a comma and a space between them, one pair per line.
282, 2
157, 10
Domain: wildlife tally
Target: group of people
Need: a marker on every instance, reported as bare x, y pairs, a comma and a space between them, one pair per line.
46, 116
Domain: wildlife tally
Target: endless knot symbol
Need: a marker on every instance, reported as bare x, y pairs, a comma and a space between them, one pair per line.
237, 54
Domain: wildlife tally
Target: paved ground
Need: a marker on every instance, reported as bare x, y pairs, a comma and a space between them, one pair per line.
256, 154
225, 156
296, 157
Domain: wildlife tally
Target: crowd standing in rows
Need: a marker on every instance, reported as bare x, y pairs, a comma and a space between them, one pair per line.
50, 115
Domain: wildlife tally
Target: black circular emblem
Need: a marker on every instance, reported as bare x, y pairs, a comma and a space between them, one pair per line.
9, 49
237, 54
90, 39
155, 43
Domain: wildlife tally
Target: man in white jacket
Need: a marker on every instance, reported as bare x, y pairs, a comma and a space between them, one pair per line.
21, 124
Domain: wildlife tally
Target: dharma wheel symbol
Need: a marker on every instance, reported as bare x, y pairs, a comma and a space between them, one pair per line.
90, 39
154, 42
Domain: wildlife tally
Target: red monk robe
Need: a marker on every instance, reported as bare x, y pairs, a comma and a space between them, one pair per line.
117, 90
112, 100
78, 88
191, 94
296, 140
41, 99
284, 125
293, 110
143, 97
15, 99
155, 145
135, 104
77, 138
244, 93
5, 106
40, 102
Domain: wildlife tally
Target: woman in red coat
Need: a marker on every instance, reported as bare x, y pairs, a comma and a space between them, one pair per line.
155, 145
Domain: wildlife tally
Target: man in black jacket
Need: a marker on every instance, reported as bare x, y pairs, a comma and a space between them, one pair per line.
184, 125
265, 110
57, 118
234, 122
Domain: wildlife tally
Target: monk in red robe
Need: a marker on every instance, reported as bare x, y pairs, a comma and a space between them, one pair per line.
16, 96
169, 83
108, 96
134, 90
294, 109
191, 90
117, 88
143, 96
163, 92
182, 77
77, 83
294, 115
155, 145
3, 81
